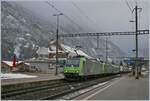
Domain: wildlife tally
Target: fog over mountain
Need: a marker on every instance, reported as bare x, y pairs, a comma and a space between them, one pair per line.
31, 25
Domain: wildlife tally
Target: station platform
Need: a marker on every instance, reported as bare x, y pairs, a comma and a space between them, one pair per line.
38, 77
124, 88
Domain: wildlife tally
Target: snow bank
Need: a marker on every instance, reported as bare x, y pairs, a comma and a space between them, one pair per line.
12, 76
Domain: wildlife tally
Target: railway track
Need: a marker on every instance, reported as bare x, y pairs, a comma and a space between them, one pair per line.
49, 90
21, 91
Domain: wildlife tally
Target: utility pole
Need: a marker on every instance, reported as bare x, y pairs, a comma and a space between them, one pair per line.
136, 26
136, 36
57, 31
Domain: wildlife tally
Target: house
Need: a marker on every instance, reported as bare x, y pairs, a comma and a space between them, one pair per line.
22, 67
5, 68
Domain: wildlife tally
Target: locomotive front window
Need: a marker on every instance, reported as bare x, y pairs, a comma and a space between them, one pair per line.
73, 63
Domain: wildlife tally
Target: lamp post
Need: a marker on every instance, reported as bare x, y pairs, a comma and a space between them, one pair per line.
57, 31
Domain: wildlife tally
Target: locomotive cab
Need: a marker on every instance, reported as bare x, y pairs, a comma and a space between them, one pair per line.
73, 67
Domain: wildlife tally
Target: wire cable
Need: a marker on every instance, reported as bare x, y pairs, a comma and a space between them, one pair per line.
136, 2
87, 17
128, 6
139, 21
81, 11
64, 15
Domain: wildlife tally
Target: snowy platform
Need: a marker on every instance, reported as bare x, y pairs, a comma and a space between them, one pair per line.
14, 78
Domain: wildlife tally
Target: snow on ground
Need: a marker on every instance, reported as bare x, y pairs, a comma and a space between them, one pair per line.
17, 75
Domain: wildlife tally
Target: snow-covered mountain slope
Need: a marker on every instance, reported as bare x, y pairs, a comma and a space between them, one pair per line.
23, 33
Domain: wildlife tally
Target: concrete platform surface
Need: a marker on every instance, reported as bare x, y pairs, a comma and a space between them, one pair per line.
40, 77
123, 88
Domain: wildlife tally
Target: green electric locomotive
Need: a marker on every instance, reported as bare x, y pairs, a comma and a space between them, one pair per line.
82, 67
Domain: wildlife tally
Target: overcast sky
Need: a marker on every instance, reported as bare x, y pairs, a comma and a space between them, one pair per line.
97, 16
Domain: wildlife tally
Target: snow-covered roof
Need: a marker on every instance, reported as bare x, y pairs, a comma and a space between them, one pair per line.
52, 41
72, 51
66, 49
43, 50
28, 34
27, 63
53, 49
10, 63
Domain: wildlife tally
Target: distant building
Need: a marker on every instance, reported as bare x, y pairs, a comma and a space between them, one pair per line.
64, 51
43, 66
43, 52
45, 62
61, 52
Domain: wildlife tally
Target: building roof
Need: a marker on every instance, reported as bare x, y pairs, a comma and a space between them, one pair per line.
10, 63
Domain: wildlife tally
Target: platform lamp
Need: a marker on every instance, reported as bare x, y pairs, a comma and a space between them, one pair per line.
57, 31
